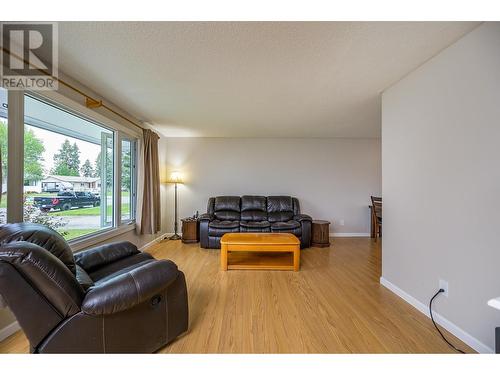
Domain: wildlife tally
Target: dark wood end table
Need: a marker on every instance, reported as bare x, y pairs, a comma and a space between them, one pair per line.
320, 233
190, 230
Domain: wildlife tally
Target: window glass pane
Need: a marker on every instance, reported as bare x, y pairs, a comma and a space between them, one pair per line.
127, 188
68, 170
3, 151
106, 174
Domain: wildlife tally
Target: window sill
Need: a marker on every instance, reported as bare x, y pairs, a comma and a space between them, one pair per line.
94, 239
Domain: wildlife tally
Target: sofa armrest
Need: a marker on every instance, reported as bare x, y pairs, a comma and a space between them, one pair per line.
302, 217
204, 221
130, 289
306, 224
205, 217
99, 256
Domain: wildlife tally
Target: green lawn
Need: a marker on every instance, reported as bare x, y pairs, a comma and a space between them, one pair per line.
90, 211
74, 233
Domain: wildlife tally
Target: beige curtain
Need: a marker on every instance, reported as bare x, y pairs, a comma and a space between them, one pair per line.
148, 190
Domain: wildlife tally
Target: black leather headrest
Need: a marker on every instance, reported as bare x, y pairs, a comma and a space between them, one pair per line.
227, 203
279, 204
253, 202
46, 273
42, 236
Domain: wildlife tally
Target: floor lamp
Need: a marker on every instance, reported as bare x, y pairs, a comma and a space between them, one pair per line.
175, 178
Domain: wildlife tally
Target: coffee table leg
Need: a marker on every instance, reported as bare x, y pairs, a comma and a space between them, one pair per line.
223, 257
296, 259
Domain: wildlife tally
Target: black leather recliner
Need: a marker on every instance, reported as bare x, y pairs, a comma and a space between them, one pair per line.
109, 299
250, 213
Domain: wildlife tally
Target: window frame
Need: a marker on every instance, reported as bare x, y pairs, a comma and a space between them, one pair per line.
133, 179
5, 152
56, 99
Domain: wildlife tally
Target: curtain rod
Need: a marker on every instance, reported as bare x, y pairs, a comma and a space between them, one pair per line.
90, 102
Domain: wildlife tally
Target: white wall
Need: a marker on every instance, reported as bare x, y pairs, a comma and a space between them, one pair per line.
441, 182
333, 178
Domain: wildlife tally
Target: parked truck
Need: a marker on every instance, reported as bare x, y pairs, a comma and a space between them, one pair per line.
67, 200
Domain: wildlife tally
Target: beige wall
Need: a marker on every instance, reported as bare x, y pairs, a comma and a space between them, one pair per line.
441, 182
333, 178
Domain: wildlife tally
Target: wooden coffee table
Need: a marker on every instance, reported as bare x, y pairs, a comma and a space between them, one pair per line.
260, 251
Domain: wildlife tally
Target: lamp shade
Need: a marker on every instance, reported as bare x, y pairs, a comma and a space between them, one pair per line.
495, 303
175, 178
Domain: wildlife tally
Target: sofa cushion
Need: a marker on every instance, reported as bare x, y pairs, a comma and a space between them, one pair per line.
279, 208
124, 271
227, 208
227, 215
254, 215
100, 256
217, 228
119, 265
255, 224
224, 224
290, 226
284, 225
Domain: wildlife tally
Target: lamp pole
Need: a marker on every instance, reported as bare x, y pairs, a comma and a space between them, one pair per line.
175, 235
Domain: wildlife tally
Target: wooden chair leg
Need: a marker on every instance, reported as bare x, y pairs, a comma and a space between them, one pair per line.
372, 223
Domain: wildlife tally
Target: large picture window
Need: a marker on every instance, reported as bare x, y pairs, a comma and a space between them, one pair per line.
68, 170
79, 175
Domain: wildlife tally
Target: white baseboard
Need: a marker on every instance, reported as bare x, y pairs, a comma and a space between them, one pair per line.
9, 330
442, 321
332, 234
156, 240
336, 234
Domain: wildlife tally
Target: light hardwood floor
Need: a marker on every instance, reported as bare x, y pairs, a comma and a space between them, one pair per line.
335, 304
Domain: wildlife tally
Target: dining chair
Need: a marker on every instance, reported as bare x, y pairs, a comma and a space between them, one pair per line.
377, 215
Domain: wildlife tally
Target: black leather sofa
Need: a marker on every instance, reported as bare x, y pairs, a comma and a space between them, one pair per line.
109, 299
251, 213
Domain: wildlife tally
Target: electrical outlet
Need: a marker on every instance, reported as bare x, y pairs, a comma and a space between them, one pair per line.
443, 284
341, 222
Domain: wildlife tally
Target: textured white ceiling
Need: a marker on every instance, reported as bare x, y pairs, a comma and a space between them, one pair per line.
251, 79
